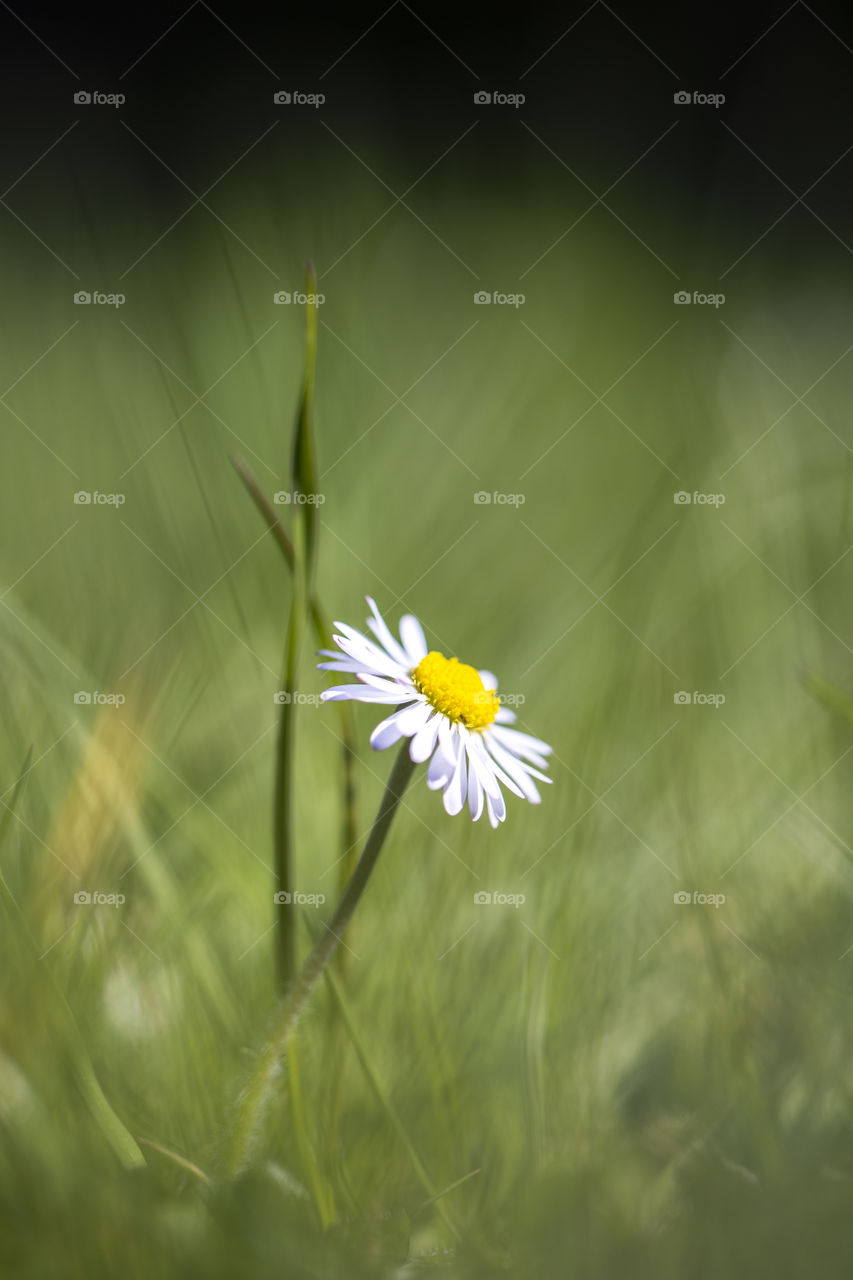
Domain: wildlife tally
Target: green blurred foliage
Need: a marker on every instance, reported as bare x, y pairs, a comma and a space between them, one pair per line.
626, 1084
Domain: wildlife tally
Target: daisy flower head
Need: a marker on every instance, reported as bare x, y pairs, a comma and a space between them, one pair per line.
450, 712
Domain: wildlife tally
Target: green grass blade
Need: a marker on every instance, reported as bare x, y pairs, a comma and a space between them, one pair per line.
434, 1194
304, 457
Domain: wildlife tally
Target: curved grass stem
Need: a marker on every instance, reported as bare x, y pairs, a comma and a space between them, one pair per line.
256, 1096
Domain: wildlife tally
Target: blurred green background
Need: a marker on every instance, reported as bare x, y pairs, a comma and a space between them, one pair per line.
617, 1079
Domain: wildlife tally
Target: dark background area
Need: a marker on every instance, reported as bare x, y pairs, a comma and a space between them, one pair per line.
599, 85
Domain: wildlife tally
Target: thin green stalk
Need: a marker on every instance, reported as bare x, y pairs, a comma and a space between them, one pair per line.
283, 792
121, 1140
323, 632
256, 1097
303, 479
181, 1161
304, 456
267, 510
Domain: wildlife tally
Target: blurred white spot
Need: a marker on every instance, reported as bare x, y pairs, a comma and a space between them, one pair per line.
140, 1006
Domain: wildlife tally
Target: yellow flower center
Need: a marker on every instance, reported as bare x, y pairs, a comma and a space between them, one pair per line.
455, 690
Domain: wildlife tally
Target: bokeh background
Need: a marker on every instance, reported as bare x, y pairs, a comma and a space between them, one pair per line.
635, 509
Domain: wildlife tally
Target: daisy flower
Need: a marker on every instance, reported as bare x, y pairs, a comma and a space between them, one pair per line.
450, 711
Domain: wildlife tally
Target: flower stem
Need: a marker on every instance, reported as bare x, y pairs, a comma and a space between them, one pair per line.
256, 1096
283, 792
323, 632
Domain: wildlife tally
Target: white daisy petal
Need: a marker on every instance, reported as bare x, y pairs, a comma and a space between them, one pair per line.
382, 631
342, 664
361, 663
489, 679
405, 689
370, 656
388, 731
518, 771
489, 772
496, 810
414, 718
351, 635
439, 771
521, 744
449, 740
505, 716
528, 770
476, 795
444, 757
412, 635
423, 743
359, 693
529, 758
456, 790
